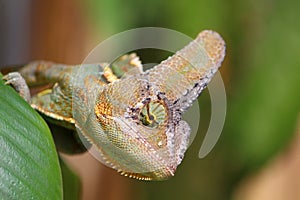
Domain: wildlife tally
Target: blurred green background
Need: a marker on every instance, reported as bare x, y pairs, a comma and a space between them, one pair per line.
261, 73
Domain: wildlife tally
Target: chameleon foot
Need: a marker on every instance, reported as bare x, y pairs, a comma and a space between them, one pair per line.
19, 84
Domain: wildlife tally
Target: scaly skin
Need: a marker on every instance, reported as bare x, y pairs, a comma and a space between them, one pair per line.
134, 122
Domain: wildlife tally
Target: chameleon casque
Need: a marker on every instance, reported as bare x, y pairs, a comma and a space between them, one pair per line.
132, 117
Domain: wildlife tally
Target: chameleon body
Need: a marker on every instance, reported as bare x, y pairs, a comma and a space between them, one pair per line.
133, 118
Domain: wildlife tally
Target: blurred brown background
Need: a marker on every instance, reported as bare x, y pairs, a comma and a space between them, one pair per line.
257, 154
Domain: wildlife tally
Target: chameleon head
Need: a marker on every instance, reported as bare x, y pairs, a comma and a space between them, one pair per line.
140, 133
136, 124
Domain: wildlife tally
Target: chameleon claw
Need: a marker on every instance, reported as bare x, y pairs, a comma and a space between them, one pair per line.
19, 84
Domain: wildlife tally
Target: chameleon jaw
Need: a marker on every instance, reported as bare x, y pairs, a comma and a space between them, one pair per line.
135, 176
150, 176
156, 175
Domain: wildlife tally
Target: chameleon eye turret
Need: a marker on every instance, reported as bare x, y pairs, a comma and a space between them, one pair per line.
132, 118
153, 114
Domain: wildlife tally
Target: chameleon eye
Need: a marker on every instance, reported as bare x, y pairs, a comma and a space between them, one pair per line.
153, 114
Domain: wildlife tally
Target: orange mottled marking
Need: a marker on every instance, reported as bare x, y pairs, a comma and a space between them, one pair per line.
103, 107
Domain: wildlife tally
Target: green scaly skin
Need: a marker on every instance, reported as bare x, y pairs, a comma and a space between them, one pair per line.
133, 118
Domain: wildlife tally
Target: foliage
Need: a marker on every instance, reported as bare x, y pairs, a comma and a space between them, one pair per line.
29, 164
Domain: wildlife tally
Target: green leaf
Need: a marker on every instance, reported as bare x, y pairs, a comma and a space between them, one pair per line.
71, 182
29, 166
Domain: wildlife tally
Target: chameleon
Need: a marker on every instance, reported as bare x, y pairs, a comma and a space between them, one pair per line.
132, 117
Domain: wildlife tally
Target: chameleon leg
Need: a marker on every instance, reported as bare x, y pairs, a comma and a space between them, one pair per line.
43, 72
55, 103
128, 64
17, 81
